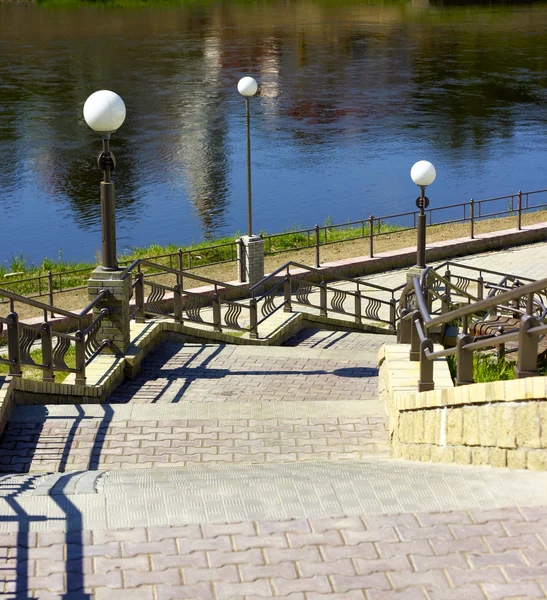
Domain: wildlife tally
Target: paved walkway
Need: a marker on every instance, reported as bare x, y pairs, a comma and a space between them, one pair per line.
254, 472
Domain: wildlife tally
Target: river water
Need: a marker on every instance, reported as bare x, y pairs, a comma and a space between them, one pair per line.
351, 95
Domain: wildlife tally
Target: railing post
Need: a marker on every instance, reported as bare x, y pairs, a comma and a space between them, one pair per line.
139, 298
519, 210
480, 288
447, 300
317, 263
358, 316
426, 383
177, 303
217, 315
47, 353
253, 331
371, 236
530, 304
287, 289
80, 357
13, 344
472, 219
501, 347
405, 325
50, 290
323, 299
464, 374
393, 314
415, 342
527, 364
180, 265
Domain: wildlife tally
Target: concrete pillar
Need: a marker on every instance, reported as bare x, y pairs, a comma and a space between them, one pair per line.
115, 326
250, 254
414, 271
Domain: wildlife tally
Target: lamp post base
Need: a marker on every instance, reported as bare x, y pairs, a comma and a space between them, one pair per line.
115, 326
414, 271
250, 254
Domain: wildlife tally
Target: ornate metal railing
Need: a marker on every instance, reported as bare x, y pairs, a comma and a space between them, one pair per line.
417, 323
207, 308
283, 289
292, 289
372, 228
24, 338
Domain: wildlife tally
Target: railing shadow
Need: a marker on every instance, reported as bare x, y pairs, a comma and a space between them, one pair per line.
17, 570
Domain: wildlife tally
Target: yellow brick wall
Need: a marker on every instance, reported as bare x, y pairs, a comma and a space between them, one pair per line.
500, 434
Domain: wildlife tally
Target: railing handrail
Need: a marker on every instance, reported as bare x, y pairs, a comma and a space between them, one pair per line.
449, 263
292, 263
183, 272
481, 305
48, 307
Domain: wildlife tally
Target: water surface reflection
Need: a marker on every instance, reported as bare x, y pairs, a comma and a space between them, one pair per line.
351, 95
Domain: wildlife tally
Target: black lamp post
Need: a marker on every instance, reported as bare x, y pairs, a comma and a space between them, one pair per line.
248, 87
423, 174
104, 112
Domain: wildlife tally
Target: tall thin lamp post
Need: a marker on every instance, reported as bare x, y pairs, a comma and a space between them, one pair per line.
104, 112
247, 87
422, 174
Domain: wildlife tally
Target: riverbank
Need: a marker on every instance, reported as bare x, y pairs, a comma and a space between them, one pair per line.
392, 239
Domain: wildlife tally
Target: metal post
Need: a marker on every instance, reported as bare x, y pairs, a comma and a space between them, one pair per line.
420, 262
108, 207
253, 330
393, 314
287, 288
180, 266
480, 288
501, 347
519, 210
323, 299
249, 199
242, 260
415, 341
358, 318
447, 300
80, 357
317, 263
527, 364
371, 236
50, 290
530, 304
13, 345
139, 298
217, 315
472, 219
47, 353
464, 374
177, 303
404, 334
426, 383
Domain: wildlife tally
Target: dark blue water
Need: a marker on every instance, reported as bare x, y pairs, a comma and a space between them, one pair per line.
351, 95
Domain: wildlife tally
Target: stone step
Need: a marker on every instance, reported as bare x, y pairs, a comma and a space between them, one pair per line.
236, 493
63, 438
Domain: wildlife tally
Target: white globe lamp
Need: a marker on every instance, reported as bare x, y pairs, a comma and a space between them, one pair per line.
423, 173
104, 111
247, 86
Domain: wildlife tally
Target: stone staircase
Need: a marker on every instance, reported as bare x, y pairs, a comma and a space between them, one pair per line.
216, 404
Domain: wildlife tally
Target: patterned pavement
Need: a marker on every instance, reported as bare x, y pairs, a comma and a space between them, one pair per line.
242, 473
217, 373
